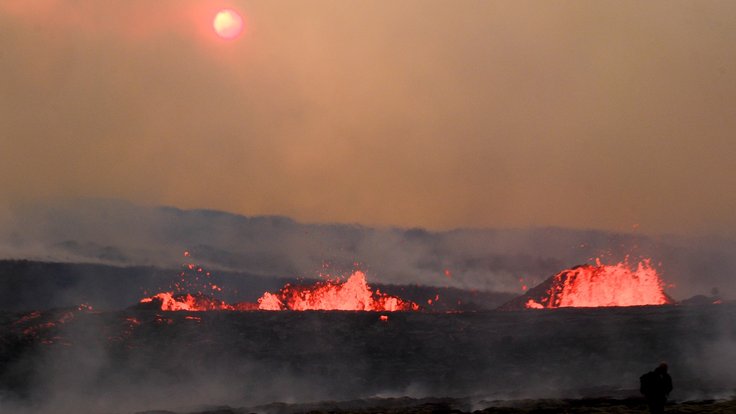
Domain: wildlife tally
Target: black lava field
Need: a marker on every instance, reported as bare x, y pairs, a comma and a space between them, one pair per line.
140, 359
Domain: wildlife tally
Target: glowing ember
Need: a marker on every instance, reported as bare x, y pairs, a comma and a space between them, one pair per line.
46, 327
195, 279
188, 302
604, 285
352, 295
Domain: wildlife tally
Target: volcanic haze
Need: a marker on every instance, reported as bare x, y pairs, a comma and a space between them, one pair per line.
416, 113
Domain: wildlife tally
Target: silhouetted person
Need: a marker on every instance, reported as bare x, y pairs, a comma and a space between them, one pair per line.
656, 386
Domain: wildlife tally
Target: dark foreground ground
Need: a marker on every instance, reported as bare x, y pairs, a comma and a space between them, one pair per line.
553, 361
460, 406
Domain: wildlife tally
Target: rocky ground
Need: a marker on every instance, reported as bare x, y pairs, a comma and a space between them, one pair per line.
459, 406
81, 361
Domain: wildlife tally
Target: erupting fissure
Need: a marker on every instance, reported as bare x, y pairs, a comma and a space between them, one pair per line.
187, 302
603, 285
193, 291
354, 294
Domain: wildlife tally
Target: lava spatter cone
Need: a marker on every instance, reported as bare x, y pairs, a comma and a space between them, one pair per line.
596, 285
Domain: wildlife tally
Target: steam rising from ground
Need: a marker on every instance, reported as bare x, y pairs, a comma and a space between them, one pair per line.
124, 234
138, 360
144, 360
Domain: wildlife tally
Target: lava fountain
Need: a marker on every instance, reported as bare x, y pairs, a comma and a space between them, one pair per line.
353, 294
194, 291
597, 285
187, 302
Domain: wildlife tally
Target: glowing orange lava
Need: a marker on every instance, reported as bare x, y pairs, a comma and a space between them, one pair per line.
188, 292
604, 285
354, 294
188, 302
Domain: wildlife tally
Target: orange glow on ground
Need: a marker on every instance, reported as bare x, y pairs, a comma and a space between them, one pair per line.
354, 294
228, 24
604, 285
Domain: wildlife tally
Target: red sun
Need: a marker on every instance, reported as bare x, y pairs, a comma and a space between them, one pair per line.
228, 24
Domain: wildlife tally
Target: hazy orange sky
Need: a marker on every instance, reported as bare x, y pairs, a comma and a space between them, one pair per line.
439, 114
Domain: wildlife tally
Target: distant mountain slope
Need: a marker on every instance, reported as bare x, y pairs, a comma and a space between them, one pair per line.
123, 234
27, 285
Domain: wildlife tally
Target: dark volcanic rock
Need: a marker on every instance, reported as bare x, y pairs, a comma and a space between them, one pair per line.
144, 359
701, 300
537, 293
463, 406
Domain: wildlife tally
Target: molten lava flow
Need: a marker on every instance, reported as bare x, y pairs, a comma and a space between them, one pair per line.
45, 328
188, 302
188, 294
192, 293
352, 295
604, 285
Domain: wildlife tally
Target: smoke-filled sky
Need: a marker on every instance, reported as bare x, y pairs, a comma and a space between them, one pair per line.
606, 114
